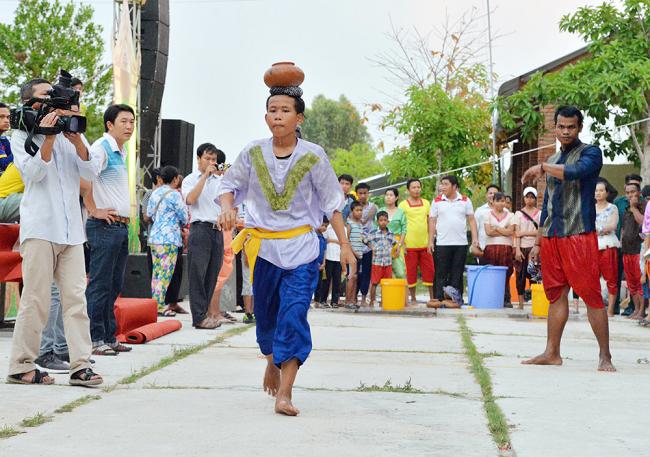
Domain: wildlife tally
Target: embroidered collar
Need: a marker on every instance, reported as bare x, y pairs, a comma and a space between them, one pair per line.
415, 205
281, 201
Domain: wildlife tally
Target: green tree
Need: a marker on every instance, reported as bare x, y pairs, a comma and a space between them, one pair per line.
334, 124
445, 121
47, 35
445, 131
611, 84
360, 161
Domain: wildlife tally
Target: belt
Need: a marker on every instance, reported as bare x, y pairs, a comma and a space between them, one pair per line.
211, 224
116, 220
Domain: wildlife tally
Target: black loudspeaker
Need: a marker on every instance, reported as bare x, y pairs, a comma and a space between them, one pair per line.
176, 145
137, 278
154, 23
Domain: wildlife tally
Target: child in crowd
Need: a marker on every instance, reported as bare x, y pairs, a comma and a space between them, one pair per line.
381, 240
499, 229
355, 234
333, 271
322, 246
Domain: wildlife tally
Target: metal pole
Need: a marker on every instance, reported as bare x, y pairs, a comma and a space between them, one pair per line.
497, 165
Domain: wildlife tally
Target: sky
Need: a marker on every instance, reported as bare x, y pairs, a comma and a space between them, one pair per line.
220, 49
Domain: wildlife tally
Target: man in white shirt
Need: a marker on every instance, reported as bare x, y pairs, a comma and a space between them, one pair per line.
483, 213
205, 246
51, 237
109, 206
449, 216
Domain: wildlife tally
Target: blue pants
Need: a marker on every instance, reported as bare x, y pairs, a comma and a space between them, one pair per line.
364, 269
109, 250
282, 300
53, 337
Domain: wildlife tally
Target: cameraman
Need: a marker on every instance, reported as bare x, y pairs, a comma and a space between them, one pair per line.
205, 246
51, 237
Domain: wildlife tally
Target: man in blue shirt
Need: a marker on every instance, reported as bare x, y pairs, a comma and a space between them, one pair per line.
567, 241
6, 157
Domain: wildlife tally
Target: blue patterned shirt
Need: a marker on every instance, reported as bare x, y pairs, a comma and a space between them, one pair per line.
381, 243
569, 203
168, 218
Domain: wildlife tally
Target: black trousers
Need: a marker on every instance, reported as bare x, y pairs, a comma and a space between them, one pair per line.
205, 256
450, 265
333, 278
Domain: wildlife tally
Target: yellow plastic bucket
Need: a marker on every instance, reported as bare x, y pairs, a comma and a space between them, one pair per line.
540, 302
393, 294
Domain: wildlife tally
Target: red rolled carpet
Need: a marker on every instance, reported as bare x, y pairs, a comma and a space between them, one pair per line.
150, 332
137, 321
131, 313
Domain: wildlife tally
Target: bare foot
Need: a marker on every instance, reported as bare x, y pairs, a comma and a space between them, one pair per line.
544, 359
605, 364
271, 378
284, 406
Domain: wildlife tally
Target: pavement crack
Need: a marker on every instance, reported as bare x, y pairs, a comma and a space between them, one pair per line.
497, 423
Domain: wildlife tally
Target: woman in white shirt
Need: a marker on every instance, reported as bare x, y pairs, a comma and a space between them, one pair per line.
608, 243
499, 230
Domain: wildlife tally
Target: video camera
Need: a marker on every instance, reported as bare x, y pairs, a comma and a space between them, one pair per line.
61, 96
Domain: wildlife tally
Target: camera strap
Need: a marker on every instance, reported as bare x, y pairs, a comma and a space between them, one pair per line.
30, 146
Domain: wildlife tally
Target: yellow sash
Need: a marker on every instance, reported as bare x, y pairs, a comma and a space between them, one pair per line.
250, 239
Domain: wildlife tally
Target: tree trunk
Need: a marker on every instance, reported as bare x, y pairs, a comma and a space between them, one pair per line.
439, 175
645, 157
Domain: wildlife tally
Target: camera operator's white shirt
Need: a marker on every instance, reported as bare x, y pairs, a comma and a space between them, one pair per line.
50, 209
111, 183
204, 208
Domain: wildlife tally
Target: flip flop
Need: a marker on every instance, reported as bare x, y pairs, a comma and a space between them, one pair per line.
167, 313
230, 317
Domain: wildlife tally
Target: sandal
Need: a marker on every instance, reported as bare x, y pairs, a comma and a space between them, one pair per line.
104, 349
85, 377
38, 378
119, 347
230, 317
178, 309
207, 324
167, 312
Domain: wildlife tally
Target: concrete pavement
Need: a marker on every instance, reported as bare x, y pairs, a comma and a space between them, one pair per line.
211, 402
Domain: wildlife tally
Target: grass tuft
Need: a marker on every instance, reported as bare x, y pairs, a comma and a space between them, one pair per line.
496, 419
8, 432
407, 388
69, 407
35, 421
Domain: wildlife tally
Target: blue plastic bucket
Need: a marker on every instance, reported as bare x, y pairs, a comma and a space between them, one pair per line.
486, 286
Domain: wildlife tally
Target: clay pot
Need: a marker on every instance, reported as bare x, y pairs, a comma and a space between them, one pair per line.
284, 74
